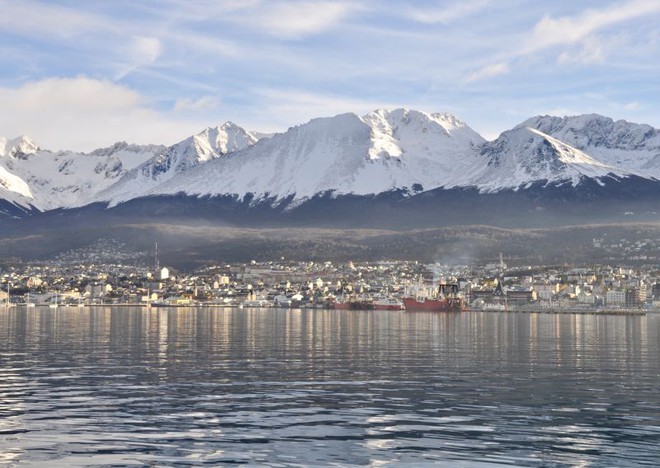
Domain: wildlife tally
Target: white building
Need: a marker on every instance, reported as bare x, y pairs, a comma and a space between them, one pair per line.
546, 292
615, 297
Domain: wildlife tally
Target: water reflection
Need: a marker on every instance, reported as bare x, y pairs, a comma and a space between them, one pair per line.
210, 386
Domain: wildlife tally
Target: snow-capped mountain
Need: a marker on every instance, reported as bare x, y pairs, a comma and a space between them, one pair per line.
210, 144
624, 145
386, 151
19, 147
47, 180
525, 155
345, 154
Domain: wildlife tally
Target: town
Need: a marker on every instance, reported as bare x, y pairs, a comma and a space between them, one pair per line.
368, 285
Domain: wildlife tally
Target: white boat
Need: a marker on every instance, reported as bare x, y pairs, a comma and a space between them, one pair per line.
257, 303
388, 303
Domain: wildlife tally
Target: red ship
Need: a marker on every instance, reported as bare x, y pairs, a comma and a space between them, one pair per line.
454, 304
446, 300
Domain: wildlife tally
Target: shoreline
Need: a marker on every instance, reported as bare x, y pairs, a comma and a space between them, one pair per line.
524, 310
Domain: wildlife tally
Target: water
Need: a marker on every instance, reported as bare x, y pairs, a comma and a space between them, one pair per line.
204, 387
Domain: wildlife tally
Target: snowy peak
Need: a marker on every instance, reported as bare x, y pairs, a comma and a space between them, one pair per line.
569, 155
624, 145
345, 154
21, 147
401, 130
422, 122
597, 131
211, 143
126, 148
226, 138
525, 155
385, 150
66, 178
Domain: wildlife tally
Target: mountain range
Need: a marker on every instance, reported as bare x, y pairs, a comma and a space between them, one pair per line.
387, 161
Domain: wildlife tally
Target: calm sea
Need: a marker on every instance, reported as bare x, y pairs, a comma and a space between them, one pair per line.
207, 387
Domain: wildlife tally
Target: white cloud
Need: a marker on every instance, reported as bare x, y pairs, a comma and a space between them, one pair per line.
204, 103
295, 20
202, 10
449, 12
551, 31
27, 17
147, 49
83, 113
591, 51
488, 71
141, 52
578, 30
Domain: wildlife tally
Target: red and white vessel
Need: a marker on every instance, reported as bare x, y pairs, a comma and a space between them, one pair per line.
444, 299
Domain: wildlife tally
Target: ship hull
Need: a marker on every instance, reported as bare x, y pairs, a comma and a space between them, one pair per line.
389, 306
433, 305
353, 305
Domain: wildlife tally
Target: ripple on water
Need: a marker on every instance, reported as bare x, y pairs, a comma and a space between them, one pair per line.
128, 387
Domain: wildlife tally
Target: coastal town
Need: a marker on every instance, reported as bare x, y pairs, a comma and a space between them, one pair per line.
326, 285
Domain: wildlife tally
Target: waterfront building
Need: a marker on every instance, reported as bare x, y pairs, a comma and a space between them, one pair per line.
615, 297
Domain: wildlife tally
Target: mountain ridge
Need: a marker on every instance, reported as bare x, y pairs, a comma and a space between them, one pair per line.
400, 150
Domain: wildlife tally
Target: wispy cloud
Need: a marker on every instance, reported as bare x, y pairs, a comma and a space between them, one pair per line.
47, 19
488, 71
550, 32
577, 32
295, 20
142, 51
447, 12
204, 103
592, 50
633, 106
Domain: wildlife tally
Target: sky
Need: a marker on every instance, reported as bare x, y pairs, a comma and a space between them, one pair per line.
85, 74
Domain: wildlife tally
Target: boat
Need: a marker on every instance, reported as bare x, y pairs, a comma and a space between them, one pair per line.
445, 299
388, 303
434, 305
257, 303
354, 303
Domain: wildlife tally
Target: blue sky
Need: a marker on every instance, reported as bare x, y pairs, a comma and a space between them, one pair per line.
83, 74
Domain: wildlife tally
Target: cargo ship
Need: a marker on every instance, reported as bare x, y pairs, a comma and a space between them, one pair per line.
445, 299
